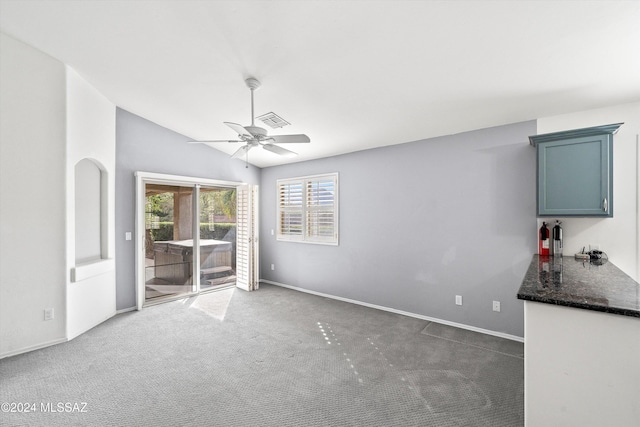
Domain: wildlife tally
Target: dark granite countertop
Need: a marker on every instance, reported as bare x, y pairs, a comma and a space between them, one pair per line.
581, 284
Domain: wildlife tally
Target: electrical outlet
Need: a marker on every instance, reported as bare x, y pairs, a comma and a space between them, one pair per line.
496, 306
458, 299
272, 232
127, 235
48, 314
273, 266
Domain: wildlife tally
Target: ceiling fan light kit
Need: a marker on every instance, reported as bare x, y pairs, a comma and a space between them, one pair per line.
255, 136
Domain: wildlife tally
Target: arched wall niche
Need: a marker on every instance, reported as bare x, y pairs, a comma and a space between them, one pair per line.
90, 211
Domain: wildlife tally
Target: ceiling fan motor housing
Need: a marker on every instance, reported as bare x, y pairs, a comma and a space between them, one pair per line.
256, 131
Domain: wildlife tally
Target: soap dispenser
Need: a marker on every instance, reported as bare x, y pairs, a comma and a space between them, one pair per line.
557, 239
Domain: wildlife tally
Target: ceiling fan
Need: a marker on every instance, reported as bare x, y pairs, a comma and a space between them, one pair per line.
255, 136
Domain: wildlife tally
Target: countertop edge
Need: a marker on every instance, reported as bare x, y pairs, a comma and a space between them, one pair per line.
545, 283
585, 306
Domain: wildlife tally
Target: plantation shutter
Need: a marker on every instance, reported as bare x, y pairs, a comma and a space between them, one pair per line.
291, 199
246, 238
308, 209
320, 215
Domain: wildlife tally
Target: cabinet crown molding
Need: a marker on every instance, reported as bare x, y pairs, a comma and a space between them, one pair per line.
575, 133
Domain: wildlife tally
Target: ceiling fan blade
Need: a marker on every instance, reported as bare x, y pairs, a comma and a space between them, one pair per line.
287, 139
215, 140
279, 150
239, 129
241, 152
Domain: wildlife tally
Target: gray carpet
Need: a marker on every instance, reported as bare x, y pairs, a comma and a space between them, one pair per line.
274, 357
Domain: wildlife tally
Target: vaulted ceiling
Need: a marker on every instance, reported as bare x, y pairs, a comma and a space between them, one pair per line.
351, 75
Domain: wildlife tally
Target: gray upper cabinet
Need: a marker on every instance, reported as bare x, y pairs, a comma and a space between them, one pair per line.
575, 172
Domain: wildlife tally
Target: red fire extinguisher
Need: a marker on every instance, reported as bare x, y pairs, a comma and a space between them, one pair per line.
543, 240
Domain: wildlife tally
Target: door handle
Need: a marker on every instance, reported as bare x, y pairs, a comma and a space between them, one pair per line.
605, 205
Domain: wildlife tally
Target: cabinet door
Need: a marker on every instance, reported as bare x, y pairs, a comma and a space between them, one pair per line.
575, 177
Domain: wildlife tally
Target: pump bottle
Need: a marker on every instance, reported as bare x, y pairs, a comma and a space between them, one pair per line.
557, 239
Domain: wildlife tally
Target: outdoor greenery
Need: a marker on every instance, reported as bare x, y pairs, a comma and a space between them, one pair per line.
159, 207
215, 204
221, 202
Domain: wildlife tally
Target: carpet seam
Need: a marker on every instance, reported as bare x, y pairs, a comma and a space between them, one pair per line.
472, 345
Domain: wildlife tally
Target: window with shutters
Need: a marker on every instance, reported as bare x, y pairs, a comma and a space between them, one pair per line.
308, 209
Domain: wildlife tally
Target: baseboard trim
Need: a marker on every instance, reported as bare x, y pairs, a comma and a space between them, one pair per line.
126, 310
71, 336
32, 348
404, 313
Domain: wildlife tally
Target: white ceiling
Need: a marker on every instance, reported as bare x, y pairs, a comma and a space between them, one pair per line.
350, 74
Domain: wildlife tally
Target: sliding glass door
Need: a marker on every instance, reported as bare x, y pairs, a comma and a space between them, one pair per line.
193, 235
217, 237
168, 245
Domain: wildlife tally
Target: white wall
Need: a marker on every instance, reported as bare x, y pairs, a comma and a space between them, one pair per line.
50, 119
581, 367
32, 198
91, 132
619, 236
88, 209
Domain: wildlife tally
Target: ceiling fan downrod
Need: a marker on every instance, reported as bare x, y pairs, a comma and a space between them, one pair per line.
253, 84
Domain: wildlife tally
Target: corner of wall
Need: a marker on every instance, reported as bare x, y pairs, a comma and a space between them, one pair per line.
32, 242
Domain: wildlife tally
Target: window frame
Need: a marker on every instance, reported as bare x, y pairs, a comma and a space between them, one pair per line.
305, 208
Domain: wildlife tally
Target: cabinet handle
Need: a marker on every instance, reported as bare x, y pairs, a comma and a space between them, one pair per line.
604, 204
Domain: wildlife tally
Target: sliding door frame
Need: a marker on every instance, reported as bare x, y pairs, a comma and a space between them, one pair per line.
143, 178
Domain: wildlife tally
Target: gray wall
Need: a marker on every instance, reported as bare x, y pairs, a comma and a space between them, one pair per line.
420, 223
142, 145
